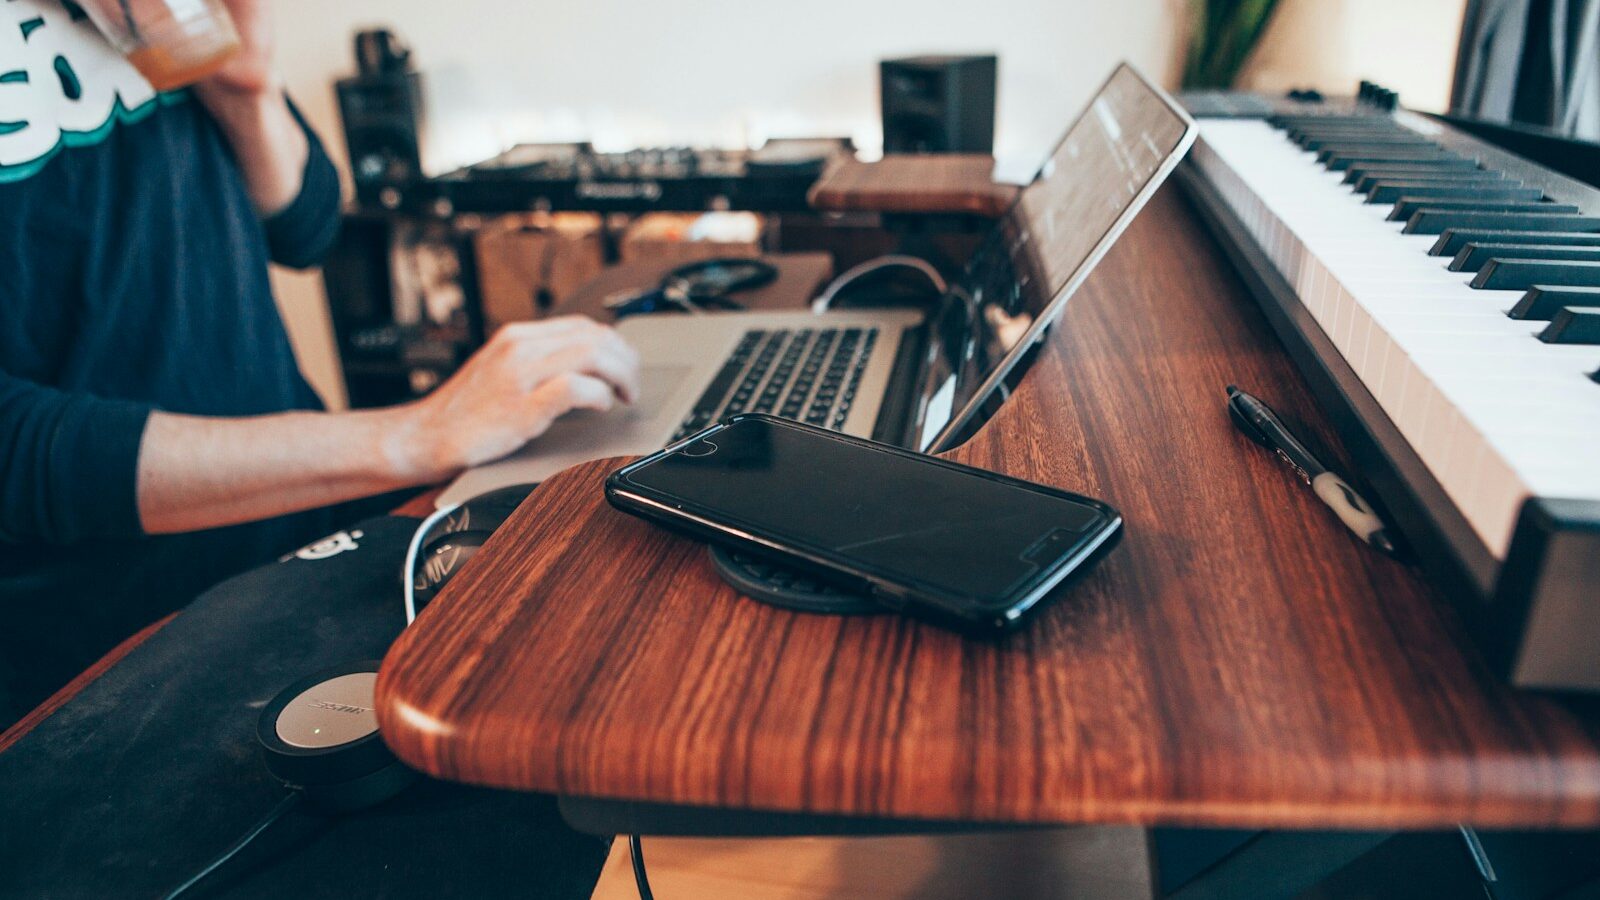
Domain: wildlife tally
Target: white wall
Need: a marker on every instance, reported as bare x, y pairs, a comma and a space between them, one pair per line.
1406, 45
626, 72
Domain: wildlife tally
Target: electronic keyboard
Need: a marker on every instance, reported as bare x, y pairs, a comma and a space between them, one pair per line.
1443, 298
554, 177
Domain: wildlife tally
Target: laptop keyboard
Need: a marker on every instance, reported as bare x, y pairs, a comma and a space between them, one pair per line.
806, 374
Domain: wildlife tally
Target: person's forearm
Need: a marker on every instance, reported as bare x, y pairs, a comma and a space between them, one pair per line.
197, 472
267, 141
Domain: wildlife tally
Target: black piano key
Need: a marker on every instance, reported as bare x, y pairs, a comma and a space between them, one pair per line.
1368, 178
1302, 133
1362, 149
1429, 177
1325, 122
1321, 119
1508, 191
1390, 181
1436, 221
1377, 124
1453, 239
1573, 326
1320, 143
1301, 127
1324, 115
1352, 131
1387, 156
1435, 167
1341, 161
1332, 148
1309, 125
1473, 256
1406, 207
1543, 301
1521, 274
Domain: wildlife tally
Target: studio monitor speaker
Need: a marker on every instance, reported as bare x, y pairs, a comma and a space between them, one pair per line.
383, 117
938, 104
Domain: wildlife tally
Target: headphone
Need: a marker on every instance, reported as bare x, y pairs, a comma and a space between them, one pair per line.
319, 736
449, 537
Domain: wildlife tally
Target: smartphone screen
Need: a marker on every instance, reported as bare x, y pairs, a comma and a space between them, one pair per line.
913, 520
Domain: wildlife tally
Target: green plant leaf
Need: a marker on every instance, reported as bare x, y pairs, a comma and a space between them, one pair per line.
1224, 33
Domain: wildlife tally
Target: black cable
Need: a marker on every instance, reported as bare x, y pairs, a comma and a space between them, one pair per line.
543, 296
639, 877
285, 805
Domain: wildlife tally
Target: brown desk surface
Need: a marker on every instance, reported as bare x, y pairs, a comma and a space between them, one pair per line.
958, 183
1238, 661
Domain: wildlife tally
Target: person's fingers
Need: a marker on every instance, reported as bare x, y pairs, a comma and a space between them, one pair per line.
530, 374
618, 364
612, 361
533, 341
549, 329
529, 340
563, 394
621, 343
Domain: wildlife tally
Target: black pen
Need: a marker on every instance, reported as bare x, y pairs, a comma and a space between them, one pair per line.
1262, 425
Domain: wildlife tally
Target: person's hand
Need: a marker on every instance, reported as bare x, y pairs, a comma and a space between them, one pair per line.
526, 376
250, 73
246, 98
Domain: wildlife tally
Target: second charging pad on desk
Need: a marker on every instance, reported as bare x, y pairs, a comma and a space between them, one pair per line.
784, 587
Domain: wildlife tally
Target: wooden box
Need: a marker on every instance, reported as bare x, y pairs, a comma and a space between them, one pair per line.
529, 263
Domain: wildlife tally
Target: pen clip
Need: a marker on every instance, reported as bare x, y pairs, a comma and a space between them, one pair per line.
1298, 469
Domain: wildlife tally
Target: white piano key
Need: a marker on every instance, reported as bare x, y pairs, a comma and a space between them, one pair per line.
1401, 370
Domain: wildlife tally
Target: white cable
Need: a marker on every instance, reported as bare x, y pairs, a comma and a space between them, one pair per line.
409, 573
825, 299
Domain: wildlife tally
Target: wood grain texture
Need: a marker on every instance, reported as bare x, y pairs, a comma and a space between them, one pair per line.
1239, 660
950, 183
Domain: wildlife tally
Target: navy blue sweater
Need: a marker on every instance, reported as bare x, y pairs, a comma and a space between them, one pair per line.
133, 277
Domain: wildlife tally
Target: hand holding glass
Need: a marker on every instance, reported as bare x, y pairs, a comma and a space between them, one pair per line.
173, 43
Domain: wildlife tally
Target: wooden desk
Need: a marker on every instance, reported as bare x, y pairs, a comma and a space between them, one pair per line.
1238, 661
946, 183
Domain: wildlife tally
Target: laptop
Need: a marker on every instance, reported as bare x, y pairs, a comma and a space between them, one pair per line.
917, 378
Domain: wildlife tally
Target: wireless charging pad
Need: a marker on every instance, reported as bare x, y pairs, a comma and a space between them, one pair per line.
785, 587
320, 736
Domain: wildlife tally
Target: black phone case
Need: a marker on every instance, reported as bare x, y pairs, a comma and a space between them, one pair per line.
947, 609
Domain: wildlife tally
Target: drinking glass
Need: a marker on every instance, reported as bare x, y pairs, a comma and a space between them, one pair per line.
173, 43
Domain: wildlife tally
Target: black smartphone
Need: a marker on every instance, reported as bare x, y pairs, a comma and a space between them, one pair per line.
930, 538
